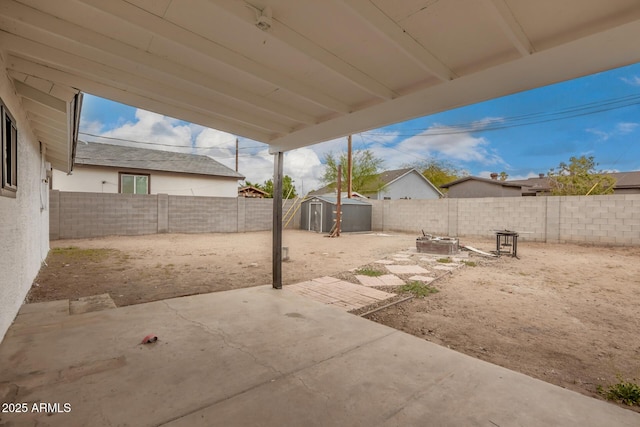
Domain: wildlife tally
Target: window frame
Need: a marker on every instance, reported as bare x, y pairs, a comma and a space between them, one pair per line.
9, 153
121, 175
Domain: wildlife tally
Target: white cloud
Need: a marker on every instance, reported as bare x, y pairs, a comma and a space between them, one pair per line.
602, 135
155, 131
448, 142
633, 81
622, 128
625, 128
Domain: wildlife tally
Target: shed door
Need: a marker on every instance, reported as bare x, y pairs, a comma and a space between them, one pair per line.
315, 217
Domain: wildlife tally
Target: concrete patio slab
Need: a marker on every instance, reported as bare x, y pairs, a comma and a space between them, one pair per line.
91, 303
258, 356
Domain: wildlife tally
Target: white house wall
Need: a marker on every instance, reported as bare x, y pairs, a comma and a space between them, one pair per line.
409, 186
105, 180
24, 226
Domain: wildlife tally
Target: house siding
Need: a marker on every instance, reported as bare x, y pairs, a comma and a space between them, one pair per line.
24, 220
473, 189
410, 186
90, 180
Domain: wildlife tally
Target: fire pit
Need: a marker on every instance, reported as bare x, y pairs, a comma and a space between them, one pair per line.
437, 245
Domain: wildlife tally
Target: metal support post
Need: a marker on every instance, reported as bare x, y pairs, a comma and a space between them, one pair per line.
277, 219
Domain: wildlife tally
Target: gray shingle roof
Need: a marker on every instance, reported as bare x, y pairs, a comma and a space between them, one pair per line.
477, 178
118, 156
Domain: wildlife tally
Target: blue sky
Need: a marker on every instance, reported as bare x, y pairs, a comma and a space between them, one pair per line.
522, 134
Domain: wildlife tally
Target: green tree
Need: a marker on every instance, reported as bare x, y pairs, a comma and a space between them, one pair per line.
438, 172
579, 178
365, 170
288, 189
503, 176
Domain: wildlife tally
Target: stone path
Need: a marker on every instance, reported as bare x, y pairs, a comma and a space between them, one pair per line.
347, 295
352, 296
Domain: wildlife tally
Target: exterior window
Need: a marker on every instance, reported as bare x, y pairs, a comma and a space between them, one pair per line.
9, 153
134, 184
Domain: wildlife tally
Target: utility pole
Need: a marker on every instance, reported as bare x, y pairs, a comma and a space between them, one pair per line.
349, 168
236, 154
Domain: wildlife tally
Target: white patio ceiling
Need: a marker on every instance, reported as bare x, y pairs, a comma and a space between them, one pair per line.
322, 70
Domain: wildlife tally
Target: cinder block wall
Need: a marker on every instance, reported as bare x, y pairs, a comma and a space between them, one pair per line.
82, 215
77, 215
589, 219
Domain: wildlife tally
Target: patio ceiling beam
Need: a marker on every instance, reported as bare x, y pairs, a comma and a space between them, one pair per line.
510, 26
53, 131
165, 29
40, 97
34, 24
290, 37
369, 13
131, 98
43, 110
110, 76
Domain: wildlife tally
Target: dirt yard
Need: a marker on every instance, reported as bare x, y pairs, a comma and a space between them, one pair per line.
566, 314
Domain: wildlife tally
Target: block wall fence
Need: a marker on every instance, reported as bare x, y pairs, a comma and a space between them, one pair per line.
75, 215
609, 220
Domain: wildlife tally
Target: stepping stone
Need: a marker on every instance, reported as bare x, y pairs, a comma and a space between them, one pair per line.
391, 280
401, 256
406, 269
384, 261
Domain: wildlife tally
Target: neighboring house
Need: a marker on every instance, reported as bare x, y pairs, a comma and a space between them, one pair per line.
105, 168
534, 186
252, 192
473, 186
626, 183
405, 183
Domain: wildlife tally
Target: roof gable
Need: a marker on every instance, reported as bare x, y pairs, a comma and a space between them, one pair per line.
118, 156
476, 178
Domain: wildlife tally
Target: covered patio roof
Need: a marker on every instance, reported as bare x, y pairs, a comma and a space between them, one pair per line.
291, 73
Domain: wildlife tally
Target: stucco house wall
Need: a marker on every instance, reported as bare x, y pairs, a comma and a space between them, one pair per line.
474, 188
24, 220
96, 179
411, 186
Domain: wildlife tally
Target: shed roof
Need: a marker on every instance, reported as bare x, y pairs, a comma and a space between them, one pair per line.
97, 154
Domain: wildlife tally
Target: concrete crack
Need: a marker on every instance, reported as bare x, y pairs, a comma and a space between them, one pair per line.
225, 338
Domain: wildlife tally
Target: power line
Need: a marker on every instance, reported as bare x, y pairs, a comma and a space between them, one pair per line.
161, 144
528, 119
